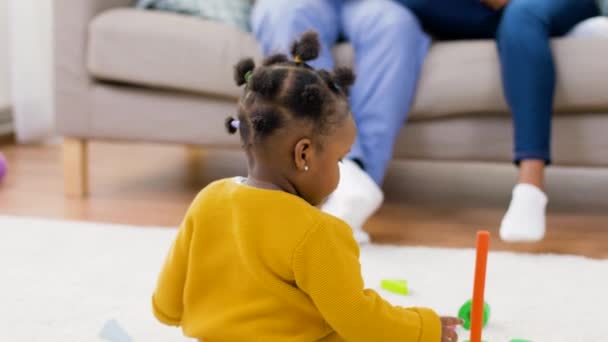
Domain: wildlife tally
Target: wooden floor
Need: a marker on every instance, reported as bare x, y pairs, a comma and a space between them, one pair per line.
153, 185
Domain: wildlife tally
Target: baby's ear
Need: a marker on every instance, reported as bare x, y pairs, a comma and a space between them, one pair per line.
302, 154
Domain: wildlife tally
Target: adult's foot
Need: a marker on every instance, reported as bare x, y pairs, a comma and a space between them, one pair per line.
525, 218
355, 200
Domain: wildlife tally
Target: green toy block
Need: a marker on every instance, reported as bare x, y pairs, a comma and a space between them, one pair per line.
395, 286
465, 314
519, 340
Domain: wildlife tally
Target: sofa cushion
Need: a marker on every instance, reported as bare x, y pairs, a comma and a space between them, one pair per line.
167, 50
164, 50
231, 12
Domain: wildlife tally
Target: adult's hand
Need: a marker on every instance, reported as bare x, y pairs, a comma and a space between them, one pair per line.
495, 4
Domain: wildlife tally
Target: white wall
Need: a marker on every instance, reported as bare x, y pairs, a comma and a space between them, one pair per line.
31, 27
4, 54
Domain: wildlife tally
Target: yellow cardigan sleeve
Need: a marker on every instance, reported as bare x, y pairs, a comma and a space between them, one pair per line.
326, 266
167, 301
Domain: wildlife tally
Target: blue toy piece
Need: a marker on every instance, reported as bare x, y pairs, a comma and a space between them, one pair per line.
113, 332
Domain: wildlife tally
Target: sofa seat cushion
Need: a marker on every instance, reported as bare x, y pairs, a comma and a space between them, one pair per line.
163, 50
463, 77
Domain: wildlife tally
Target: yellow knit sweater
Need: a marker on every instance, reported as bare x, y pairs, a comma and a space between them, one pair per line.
259, 265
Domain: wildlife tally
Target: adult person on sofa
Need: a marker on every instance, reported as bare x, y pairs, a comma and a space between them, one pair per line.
522, 29
390, 47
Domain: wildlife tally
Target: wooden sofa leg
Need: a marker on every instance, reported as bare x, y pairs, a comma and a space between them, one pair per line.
194, 152
75, 167
195, 156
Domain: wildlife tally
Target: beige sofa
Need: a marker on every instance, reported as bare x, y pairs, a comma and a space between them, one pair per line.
130, 75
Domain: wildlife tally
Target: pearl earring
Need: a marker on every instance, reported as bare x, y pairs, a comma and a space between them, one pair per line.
305, 167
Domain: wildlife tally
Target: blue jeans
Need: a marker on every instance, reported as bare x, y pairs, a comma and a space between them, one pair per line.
522, 31
389, 45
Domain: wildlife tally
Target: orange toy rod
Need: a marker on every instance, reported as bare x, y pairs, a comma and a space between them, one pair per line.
483, 245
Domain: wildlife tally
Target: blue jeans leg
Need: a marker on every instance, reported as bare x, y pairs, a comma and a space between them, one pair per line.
390, 48
455, 19
528, 69
277, 23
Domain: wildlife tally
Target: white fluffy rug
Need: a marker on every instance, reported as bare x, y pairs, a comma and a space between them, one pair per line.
62, 281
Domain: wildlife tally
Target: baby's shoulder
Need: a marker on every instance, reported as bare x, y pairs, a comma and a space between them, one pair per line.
212, 194
327, 226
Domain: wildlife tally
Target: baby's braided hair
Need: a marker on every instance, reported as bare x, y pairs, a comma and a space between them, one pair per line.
281, 90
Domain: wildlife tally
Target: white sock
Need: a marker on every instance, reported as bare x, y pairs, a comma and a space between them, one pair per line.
356, 198
525, 218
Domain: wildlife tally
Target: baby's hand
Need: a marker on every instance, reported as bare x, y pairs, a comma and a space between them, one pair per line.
448, 328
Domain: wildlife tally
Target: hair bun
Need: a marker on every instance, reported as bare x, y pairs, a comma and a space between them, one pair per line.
344, 78
312, 98
243, 67
231, 125
265, 83
307, 47
275, 59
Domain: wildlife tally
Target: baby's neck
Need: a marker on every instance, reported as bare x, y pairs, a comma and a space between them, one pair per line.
256, 183
266, 179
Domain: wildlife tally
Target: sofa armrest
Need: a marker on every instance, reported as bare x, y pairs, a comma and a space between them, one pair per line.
72, 82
